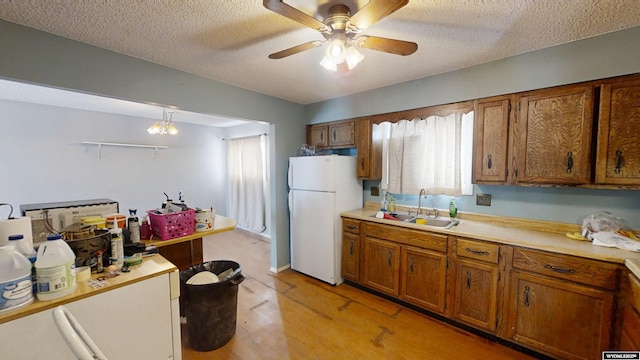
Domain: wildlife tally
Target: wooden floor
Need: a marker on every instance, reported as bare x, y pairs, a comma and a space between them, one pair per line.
293, 316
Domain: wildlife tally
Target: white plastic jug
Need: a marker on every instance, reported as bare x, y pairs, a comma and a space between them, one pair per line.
55, 265
15, 279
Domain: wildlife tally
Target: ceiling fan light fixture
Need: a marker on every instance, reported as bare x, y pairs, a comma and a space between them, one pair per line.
353, 57
336, 51
328, 64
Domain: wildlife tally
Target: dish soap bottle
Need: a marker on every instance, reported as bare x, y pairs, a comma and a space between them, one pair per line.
453, 210
392, 204
383, 203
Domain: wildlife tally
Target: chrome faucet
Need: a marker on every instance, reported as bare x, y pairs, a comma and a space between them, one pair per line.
422, 192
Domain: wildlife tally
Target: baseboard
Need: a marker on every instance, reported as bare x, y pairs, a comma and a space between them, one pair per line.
280, 269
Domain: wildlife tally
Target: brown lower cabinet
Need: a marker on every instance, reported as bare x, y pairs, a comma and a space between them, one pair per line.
558, 305
476, 294
423, 275
564, 319
381, 266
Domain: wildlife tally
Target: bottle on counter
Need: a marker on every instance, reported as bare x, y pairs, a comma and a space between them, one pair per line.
117, 246
453, 210
15, 279
383, 203
134, 226
22, 246
145, 228
391, 207
55, 264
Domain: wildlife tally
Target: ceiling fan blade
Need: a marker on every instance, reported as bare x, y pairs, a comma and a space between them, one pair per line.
279, 7
392, 46
374, 11
296, 49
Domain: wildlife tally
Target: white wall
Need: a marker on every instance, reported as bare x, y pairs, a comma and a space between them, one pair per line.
44, 160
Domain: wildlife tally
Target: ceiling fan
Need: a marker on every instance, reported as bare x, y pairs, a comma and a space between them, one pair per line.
340, 29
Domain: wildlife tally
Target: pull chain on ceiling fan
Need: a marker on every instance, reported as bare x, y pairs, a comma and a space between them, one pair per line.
340, 29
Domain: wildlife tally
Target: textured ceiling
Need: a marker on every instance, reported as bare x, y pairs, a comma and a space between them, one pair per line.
229, 40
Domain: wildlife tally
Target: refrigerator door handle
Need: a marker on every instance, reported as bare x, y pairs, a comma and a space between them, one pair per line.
290, 175
75, 336
290, 201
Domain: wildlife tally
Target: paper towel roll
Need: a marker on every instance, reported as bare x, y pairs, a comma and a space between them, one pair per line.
17, 226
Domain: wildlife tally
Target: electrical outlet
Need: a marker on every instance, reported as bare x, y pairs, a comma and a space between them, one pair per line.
375, 191
483, 199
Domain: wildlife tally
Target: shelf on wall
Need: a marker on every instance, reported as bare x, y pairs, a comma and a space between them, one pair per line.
100, 144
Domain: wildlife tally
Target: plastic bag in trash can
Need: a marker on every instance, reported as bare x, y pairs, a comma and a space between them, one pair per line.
211, 309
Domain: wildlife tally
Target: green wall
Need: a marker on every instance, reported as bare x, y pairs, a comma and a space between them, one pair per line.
600, 57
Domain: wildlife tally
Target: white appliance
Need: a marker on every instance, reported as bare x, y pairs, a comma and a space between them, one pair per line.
76, 337
138, 321
53, 217
321, 187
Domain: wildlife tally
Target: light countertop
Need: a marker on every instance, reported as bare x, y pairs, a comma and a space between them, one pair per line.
521, 236
151, 266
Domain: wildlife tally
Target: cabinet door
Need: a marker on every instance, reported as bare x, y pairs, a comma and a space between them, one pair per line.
342, 134
554, 132
369, 147
490, 140
618, 156
317, 135
381, 266
476, 292
560, 318
423, 278
351, 256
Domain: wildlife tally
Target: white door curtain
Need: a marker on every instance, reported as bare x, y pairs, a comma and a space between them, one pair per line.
246, 158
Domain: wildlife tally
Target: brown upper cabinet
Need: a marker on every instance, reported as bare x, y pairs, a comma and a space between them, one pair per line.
618, 153
369, 146
553, 135
491, 140
334, 135
317, 135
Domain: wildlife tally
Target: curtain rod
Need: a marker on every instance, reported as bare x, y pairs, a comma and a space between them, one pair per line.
245, 137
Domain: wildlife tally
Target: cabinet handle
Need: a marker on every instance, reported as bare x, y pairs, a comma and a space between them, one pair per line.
618, 161
468, 279
569, 162
477, 252
560, 270
351, 248
321, 136
351, 227
526, 296
362, 163
334, 135
411, 264
489, 161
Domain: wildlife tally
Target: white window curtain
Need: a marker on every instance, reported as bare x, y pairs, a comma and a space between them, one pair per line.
432, 154
246, 176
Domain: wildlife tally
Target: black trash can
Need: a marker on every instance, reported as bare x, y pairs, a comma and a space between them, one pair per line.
211, 309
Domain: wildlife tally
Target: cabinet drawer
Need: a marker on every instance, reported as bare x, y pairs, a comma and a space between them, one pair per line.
350, 225
425, 240
585, 271
478, 250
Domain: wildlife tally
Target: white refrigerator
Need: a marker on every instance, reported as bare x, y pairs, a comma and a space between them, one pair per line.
320, 188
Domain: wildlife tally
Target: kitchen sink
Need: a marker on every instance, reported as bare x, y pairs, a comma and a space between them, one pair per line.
438, 222
399, 217
445, 223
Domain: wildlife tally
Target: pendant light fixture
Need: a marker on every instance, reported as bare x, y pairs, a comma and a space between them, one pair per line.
165, 126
